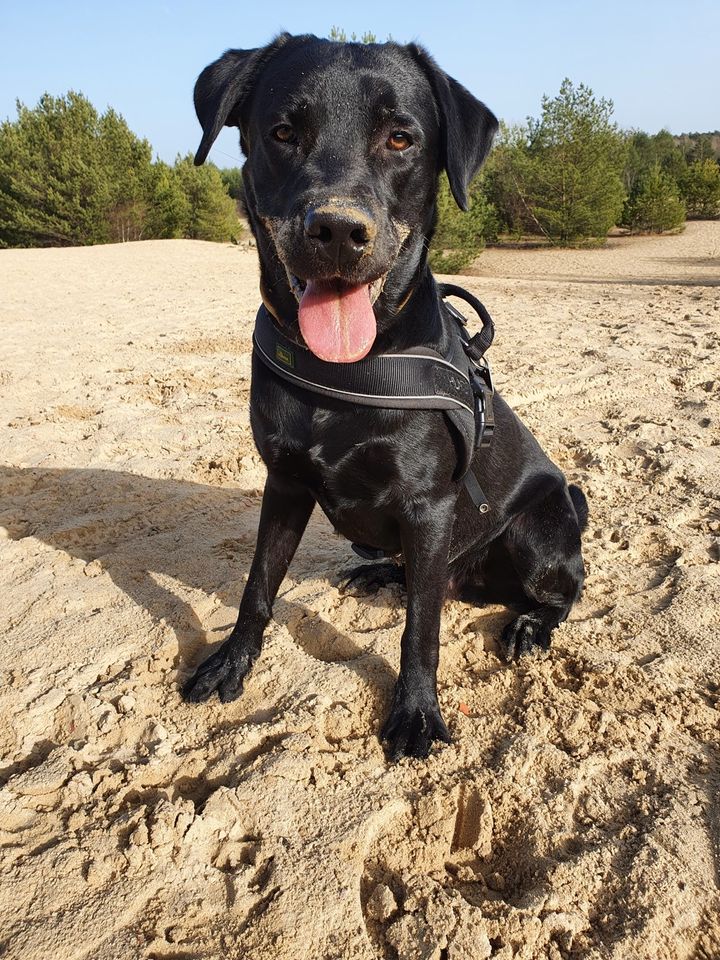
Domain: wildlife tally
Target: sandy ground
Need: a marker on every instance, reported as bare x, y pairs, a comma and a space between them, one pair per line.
576, 813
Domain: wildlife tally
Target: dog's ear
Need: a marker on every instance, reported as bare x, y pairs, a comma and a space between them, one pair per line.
222, 88
467, 126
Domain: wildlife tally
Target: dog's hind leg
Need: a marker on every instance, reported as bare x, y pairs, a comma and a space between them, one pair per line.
543, 545
370, 577
286, 509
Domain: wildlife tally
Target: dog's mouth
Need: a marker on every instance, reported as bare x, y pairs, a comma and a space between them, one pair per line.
336, 318
298, 286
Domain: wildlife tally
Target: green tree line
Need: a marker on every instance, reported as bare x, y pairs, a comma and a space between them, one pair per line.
72, 176
572, 175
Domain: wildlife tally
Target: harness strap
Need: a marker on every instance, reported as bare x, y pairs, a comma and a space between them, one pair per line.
460, 384
476, 492
477, 345
419, 378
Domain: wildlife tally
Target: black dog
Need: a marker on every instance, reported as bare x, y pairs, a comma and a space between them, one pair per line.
344, 145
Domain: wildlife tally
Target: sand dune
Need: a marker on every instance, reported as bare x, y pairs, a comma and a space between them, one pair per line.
576, 813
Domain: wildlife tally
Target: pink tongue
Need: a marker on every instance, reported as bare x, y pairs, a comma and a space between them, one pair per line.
337, 322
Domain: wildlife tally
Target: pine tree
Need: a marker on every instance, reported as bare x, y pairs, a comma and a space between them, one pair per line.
570, 171
655, 204
232, 178
53, 190
70, 176
700, 189
460, 236
126, 162
338, 35
168, 208
645, 151
212, 212
561, 175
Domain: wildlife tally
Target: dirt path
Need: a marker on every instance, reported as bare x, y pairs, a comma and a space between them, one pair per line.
576, 813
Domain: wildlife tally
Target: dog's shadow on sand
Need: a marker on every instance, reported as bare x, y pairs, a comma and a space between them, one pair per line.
162, 540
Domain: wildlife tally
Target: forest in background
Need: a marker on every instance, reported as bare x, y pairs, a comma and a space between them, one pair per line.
70, 176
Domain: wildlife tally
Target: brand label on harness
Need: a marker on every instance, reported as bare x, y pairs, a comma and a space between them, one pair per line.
286, 357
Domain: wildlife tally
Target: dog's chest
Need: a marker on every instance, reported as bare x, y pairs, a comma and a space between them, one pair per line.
349, 463
356, 459
366, 467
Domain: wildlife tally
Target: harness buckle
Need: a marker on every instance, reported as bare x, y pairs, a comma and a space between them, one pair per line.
485, 373
483, 389
475, 347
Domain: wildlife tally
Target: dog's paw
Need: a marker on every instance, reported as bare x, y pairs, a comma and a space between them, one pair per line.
524, 635
411, 729
224, 671
371, 577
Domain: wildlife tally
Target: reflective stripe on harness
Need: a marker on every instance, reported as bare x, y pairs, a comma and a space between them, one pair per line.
418, 381
458, 383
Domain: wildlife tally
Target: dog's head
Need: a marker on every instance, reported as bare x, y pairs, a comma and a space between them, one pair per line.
344, 144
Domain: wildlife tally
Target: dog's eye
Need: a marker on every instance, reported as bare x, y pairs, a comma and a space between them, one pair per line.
284, 133
398, 140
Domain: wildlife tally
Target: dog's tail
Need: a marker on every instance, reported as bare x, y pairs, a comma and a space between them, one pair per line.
579, 501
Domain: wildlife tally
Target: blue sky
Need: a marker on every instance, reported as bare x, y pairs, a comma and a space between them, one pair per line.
658, 61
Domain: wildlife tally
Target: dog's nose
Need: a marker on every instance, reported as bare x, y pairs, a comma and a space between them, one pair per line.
341, 234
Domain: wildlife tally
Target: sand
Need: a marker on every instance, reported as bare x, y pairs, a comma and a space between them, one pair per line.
576, 813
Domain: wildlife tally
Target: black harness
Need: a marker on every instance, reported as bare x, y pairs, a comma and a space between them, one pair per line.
458, 382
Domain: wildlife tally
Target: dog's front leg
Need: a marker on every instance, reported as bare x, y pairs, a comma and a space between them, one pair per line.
286, 509
415, 720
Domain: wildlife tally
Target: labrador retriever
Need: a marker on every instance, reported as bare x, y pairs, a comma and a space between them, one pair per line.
344, 144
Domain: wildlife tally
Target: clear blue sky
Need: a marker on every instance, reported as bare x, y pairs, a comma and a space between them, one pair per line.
658, 61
